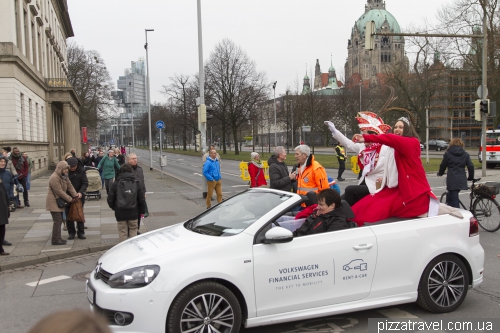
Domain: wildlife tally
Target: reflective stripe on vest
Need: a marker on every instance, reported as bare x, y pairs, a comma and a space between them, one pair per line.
307, 189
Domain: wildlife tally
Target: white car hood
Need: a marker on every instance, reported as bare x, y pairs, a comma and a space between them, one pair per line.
148, 248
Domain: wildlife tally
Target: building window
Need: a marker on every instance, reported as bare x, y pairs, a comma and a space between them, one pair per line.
34, 58
30, 115
18, 25
44, 126
22, 117
26, 35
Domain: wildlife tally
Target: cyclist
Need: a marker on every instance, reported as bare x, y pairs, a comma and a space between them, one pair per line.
456, 159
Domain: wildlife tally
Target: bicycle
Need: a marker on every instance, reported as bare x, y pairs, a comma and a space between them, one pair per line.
484, 208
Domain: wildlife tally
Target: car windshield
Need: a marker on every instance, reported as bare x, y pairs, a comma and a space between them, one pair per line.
492, 138
440, 141
236, 214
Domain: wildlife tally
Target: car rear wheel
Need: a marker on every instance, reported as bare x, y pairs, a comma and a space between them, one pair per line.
443, 285
205, 307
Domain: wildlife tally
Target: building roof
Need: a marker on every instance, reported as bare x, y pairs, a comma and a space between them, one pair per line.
378, 16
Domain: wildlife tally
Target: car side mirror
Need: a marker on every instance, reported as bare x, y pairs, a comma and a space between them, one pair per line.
278, 235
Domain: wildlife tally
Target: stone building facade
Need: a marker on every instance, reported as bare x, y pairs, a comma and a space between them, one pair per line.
39, 109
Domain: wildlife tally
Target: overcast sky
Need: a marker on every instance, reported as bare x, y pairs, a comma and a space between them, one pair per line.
281, 36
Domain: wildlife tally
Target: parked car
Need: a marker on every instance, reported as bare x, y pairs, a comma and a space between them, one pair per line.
239, 264
421, 147
438, 145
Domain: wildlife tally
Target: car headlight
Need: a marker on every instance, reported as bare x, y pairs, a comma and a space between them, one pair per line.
135, 277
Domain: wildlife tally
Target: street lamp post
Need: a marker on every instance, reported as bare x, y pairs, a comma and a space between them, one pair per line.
275, 141
132, 111
149, 105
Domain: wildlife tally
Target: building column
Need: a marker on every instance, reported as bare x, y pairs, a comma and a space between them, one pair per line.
68, 127
50, 133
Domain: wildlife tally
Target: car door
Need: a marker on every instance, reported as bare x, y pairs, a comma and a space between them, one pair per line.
314, 270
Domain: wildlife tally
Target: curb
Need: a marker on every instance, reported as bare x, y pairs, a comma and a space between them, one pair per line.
57, 256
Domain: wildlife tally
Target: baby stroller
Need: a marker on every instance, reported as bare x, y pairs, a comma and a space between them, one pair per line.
94, 188
17, 189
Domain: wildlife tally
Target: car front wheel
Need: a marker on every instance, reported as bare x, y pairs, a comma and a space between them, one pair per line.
443, 285
205, 307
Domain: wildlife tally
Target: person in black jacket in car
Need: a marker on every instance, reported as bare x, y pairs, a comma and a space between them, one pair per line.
279, 176
78, 179
329, 215
456, 159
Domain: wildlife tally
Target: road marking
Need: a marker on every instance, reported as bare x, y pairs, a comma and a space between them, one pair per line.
45, 281
231, 174
197, 174
240, 185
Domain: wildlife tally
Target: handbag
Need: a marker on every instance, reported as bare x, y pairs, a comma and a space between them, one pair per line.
61, 203
76, 212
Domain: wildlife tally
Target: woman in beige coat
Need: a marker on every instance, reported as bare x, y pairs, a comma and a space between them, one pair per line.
59, 186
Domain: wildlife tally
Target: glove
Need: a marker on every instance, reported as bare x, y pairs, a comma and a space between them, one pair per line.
75, 199
331, 127
438, 174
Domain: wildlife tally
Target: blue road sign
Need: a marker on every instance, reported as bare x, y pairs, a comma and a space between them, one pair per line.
111, 141
160, 124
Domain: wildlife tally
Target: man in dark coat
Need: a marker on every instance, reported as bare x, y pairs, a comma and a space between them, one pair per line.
139, 175
126, 218
22, 169
456, 159
329, 215
79, 180
279, 176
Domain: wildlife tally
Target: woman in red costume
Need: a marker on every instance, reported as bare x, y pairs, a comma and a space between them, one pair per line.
412, 196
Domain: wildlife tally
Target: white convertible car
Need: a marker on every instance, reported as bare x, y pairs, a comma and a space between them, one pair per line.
239, 264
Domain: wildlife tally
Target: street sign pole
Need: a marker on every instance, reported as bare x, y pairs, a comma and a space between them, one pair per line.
484, 91
161, 164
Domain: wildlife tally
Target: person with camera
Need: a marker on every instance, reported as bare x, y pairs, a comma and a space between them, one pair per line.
58, 198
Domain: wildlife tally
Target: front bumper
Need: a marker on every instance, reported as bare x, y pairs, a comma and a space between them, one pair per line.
148, 307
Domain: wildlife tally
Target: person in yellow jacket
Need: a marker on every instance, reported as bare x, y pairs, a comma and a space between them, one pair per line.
310, 175
341, 157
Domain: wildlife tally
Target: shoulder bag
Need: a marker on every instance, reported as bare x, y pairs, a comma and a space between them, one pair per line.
61, 203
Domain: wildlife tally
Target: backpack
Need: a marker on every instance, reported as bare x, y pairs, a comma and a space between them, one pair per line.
126, 194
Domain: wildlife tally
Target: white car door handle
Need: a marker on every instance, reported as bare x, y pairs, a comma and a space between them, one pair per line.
363, 246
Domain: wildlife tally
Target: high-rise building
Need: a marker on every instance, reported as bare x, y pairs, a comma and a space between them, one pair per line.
38, 107
131, 96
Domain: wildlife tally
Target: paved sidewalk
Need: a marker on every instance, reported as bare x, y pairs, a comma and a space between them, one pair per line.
29, 230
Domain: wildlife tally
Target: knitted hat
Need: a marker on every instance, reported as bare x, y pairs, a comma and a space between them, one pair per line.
72, 161
253, 155
369, 121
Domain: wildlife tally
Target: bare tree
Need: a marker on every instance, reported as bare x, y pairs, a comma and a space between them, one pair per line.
233, 86
89, 77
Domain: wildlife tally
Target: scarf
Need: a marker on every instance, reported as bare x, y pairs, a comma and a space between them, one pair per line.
20, 160
368, 158
257, 163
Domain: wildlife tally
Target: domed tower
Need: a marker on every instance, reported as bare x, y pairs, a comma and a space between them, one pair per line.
388, 50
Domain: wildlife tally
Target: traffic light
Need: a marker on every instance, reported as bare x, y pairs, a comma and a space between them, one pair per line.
210, 112
369, 38
484, 106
